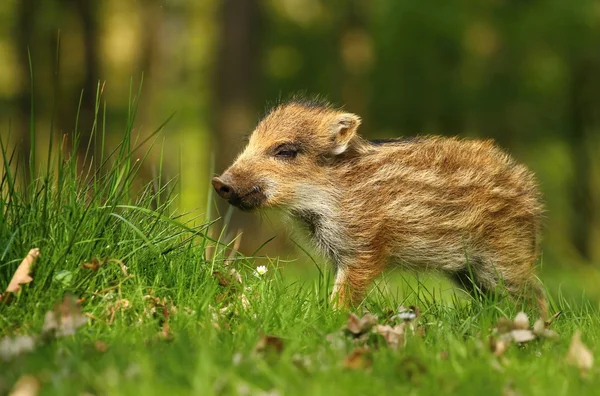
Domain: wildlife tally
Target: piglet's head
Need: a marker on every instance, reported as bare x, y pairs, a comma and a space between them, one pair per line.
287, 153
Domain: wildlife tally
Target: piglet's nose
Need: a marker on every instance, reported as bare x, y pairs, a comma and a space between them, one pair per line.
224, 189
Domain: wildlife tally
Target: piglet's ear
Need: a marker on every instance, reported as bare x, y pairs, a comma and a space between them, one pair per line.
343, 129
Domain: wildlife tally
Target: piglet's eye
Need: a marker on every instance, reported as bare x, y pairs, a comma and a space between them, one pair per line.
286, 151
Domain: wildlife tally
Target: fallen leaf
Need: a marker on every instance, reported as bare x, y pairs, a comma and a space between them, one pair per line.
223, 280
579, 355
540, 330
236, 275
121, 265
394, 336
93, 265
360, 358
269, 346
120, 305
23, 273
521, 321
27, 385
101, 346
160, 309
521, 335
65, 319
228, 279
539, 326
165, 332
14, 346
518, 331
358, 326
500, 345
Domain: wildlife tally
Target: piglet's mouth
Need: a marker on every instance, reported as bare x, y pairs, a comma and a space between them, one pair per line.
251, 200
245, 200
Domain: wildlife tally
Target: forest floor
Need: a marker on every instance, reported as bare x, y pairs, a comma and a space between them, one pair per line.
125, 299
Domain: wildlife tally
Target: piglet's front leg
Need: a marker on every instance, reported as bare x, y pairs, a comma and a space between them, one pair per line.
352, 280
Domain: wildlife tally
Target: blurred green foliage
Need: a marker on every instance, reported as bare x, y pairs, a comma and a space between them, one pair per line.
524, 73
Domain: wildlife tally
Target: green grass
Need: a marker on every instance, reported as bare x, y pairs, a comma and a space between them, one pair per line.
74, 214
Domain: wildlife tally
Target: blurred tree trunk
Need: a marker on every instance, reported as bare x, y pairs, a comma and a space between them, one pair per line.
356, 51
36, 33
86, 11
237, 72
234, 101
24, 34
150, 66
580, 190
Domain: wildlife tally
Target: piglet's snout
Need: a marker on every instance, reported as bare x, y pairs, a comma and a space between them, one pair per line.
223, 187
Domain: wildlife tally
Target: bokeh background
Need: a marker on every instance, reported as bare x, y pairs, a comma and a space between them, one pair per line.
526, 73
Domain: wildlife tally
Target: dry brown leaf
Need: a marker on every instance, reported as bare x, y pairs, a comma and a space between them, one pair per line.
519, 331
353, 324
23, 272
269, 346
522, 336
539, 326
27, 385
500, 345
165, 332
223, 280
579, 355
521, 321
227, 280
244, 301
394, 336
359, 359
160, 309
65, 319
14, 346
358, 326
540, 330
121, 265
101, 346
121, 304
235, 275
93, 265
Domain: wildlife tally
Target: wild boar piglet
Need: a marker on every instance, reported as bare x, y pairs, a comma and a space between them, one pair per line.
462, 207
